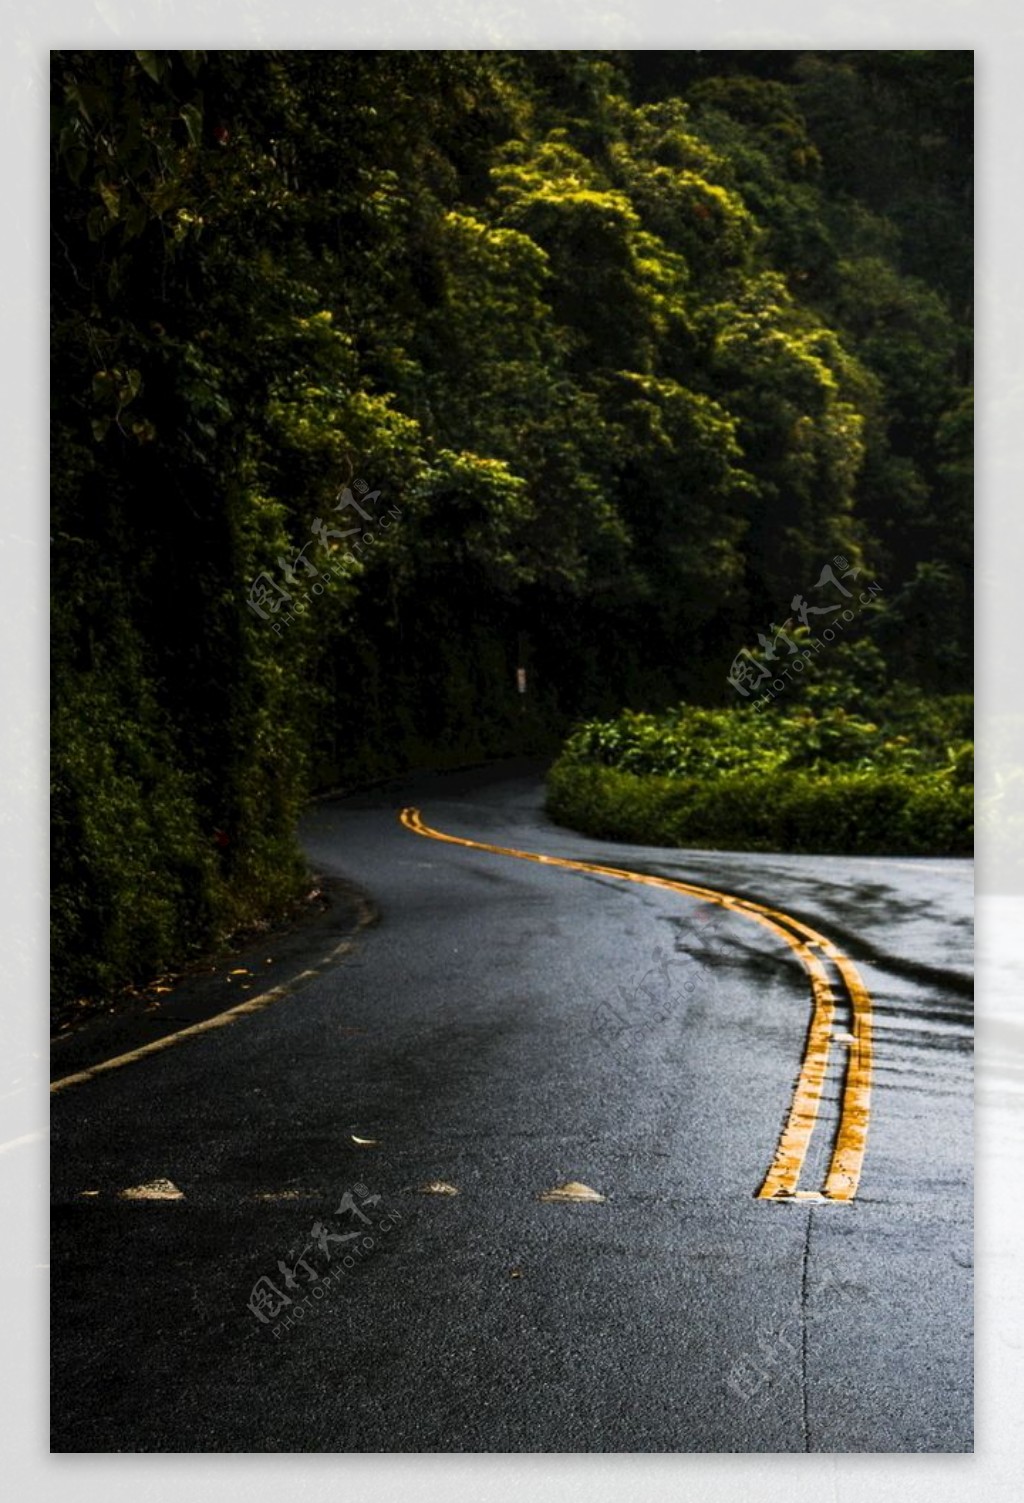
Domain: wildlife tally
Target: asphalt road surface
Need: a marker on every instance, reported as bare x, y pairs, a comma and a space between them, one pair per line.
301, 1278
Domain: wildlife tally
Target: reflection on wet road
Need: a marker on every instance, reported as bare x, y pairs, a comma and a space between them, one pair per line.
505, 1030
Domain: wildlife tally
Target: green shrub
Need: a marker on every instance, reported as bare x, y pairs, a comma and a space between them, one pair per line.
134, 882
813, 782
139, 880
938, 817
860, 814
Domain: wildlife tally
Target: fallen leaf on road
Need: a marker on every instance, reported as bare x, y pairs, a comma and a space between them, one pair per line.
156, 1189
437, 1187
241, 971
515, 1273
364, 1142
573, 1190
88, 1192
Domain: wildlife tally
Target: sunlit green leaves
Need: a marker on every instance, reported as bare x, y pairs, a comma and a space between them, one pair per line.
620, 347
478, 509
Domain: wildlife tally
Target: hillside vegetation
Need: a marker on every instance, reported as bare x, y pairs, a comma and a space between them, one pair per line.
378, 375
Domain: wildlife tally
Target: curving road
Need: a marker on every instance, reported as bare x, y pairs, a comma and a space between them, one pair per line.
294, 1273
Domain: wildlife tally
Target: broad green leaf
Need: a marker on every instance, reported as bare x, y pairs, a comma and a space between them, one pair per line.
152, 63
111, 199
193, 118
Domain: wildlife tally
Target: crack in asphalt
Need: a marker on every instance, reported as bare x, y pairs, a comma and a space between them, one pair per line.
804, 1423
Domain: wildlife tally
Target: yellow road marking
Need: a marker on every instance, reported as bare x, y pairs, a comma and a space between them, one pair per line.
783, 1176
219, 1020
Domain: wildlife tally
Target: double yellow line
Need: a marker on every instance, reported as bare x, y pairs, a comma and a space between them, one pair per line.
782, 1179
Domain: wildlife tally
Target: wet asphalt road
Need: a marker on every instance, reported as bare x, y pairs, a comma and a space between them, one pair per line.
501, 1029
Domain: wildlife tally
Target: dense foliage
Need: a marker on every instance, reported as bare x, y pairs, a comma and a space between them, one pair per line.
817, 777
603, 357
